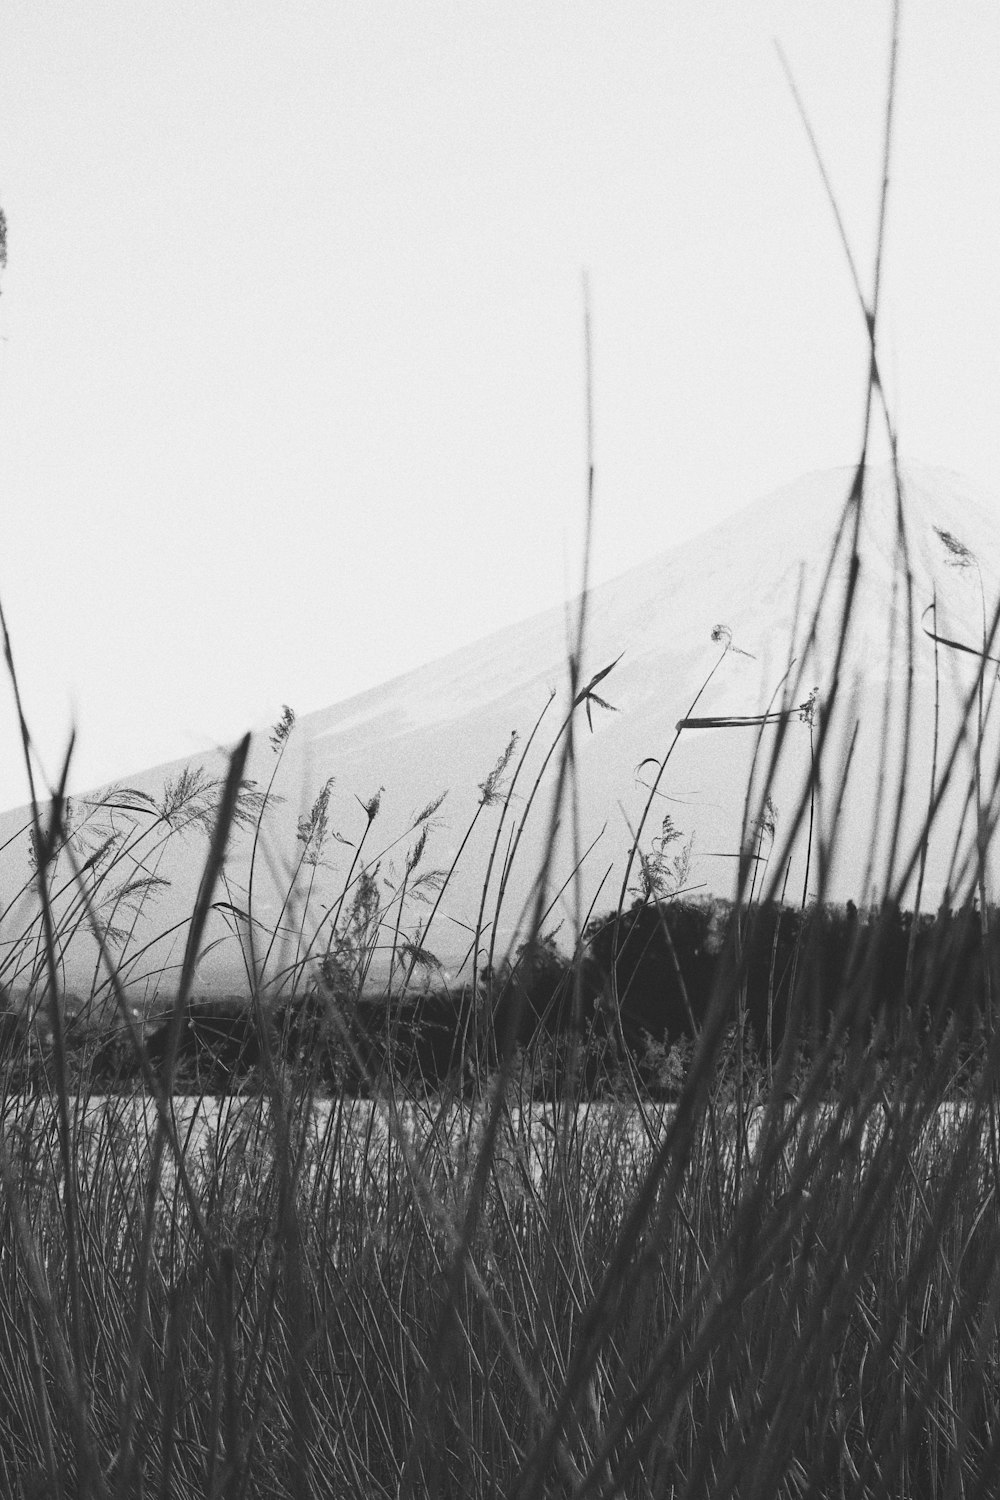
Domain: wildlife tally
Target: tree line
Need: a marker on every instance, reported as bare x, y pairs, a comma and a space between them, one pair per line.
626, 1008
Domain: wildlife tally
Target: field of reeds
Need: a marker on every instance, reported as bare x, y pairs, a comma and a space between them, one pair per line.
321, 1242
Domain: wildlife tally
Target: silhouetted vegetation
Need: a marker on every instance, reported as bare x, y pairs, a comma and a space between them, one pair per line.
598, 1023
883, 975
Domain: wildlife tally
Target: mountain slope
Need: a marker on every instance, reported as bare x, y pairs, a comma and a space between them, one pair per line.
750, 582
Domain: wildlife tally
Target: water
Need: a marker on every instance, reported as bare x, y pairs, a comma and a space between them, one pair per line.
219, 1133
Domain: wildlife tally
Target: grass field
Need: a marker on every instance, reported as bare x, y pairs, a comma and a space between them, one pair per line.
740, 1294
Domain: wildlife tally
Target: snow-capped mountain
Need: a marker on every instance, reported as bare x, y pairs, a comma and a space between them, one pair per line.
716, 628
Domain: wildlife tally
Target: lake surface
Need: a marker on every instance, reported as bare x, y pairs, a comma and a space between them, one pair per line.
358, 1149
214, 1132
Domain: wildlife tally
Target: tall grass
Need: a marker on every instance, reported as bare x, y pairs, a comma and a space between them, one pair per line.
785, 1283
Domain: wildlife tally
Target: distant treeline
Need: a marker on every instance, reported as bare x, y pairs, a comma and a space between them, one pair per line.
881, 974
628, 1005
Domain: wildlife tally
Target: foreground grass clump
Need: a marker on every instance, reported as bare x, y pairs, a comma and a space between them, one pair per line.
735, 1295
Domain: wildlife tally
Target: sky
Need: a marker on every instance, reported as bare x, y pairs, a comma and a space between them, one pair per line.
292, 377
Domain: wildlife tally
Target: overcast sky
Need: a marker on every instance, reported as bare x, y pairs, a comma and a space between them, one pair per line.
291, 352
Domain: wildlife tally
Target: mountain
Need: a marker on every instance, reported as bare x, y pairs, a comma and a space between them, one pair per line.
730, 608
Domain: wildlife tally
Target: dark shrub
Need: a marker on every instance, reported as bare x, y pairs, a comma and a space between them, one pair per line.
354, 1046
536, 995
320, 1040
13, 1033
655, 965
218, 1047
111, 1063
